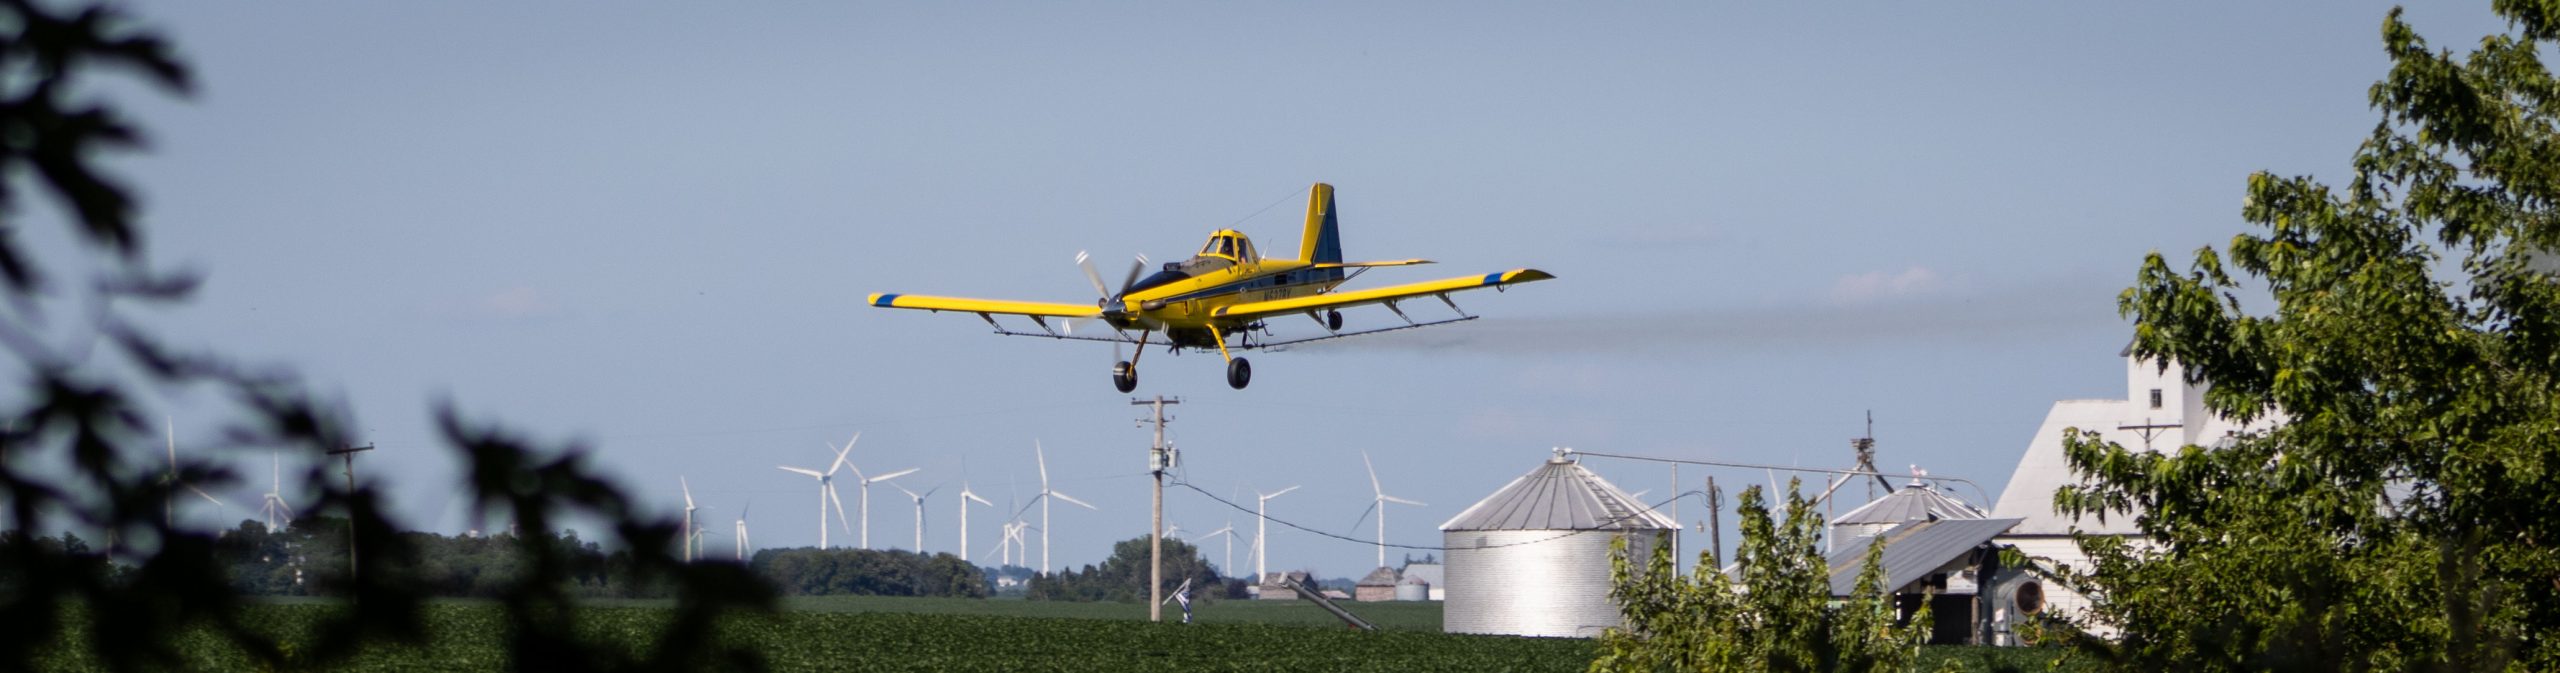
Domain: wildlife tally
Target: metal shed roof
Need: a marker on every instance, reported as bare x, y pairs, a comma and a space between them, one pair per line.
1912, 552
1559, 495
1912, 503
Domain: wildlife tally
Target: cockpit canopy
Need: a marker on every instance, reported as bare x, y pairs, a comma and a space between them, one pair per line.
1226, 248
1230, 244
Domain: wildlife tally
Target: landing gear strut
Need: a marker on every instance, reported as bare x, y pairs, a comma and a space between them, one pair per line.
1239, 373
1124, 374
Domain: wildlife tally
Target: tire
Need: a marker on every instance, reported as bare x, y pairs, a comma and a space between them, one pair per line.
1239, 373
1333, 321
1124, 376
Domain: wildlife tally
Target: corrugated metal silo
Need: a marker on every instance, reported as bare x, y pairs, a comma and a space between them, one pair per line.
1533, 558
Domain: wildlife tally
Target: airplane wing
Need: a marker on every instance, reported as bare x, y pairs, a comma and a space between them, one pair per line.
985, 306
1356, 265
1381, 295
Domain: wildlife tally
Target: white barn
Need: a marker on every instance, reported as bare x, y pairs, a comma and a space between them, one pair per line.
2159, 412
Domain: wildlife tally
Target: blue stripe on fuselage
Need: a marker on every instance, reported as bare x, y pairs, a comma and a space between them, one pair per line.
1494, 278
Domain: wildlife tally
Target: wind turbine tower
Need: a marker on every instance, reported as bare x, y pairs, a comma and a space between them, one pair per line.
966, 497
1261, 525
827, 489
1047, 494
689, 537
275, 507
741, 531
920, 513
1380, 504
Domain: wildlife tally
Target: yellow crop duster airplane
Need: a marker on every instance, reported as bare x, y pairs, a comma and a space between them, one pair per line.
1220, 297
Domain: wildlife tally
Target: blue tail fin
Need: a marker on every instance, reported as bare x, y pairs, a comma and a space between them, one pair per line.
1323, 241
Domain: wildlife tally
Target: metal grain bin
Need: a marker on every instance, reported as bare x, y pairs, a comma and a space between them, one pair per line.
1533, 558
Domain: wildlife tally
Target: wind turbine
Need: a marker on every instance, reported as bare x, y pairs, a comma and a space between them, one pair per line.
1262, 522
866, 482
920, 511
741, 532
966, 497
1379, 504
275, 505
168, 505
1047, 494
690, 532
827, 489
1229, 531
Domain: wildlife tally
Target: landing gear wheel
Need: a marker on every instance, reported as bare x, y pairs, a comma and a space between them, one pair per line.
1239, 373
1124, 376
1333, 321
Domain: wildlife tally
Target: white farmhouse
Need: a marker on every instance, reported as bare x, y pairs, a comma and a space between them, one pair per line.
2159, 412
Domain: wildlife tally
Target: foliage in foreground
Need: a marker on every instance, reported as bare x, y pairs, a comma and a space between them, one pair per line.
74, 450
1778, 616
2404, 516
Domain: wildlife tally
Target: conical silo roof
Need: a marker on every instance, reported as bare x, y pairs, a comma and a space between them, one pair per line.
1913, 502
1559, 495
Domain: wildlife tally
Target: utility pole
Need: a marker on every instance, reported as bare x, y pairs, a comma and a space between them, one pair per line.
1159, 458
1715, 525
350, 453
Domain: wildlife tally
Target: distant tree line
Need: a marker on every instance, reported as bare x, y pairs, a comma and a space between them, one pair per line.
1123, 576
808, 571
309, 558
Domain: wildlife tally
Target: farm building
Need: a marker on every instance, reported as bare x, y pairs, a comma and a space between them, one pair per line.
1430, 575
1939, 560
1913, 503
2160, 412
1533, 558
1379, 585
1273, 590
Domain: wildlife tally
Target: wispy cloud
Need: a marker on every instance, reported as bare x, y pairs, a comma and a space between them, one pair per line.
2031, 311
1876, 285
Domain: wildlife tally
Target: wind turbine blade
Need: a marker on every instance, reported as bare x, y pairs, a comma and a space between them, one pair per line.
1063, 496
903, 489
974, 497
839, 501
841, 453
208, 496
1036, 452
1400, 501
1364, 514
1230, 530
742, 512
930, 491
1373, 473
1282, 492
894, 475
802, 470
688, 491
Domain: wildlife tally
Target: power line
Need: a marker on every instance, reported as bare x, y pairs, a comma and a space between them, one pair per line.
1977, 488
1346, 538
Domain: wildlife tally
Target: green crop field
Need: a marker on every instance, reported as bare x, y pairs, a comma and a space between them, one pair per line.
902, 634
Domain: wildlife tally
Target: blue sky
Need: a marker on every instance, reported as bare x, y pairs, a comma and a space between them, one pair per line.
650, 228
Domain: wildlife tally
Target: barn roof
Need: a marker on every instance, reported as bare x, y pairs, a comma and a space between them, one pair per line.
1559, 495
1912, 552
